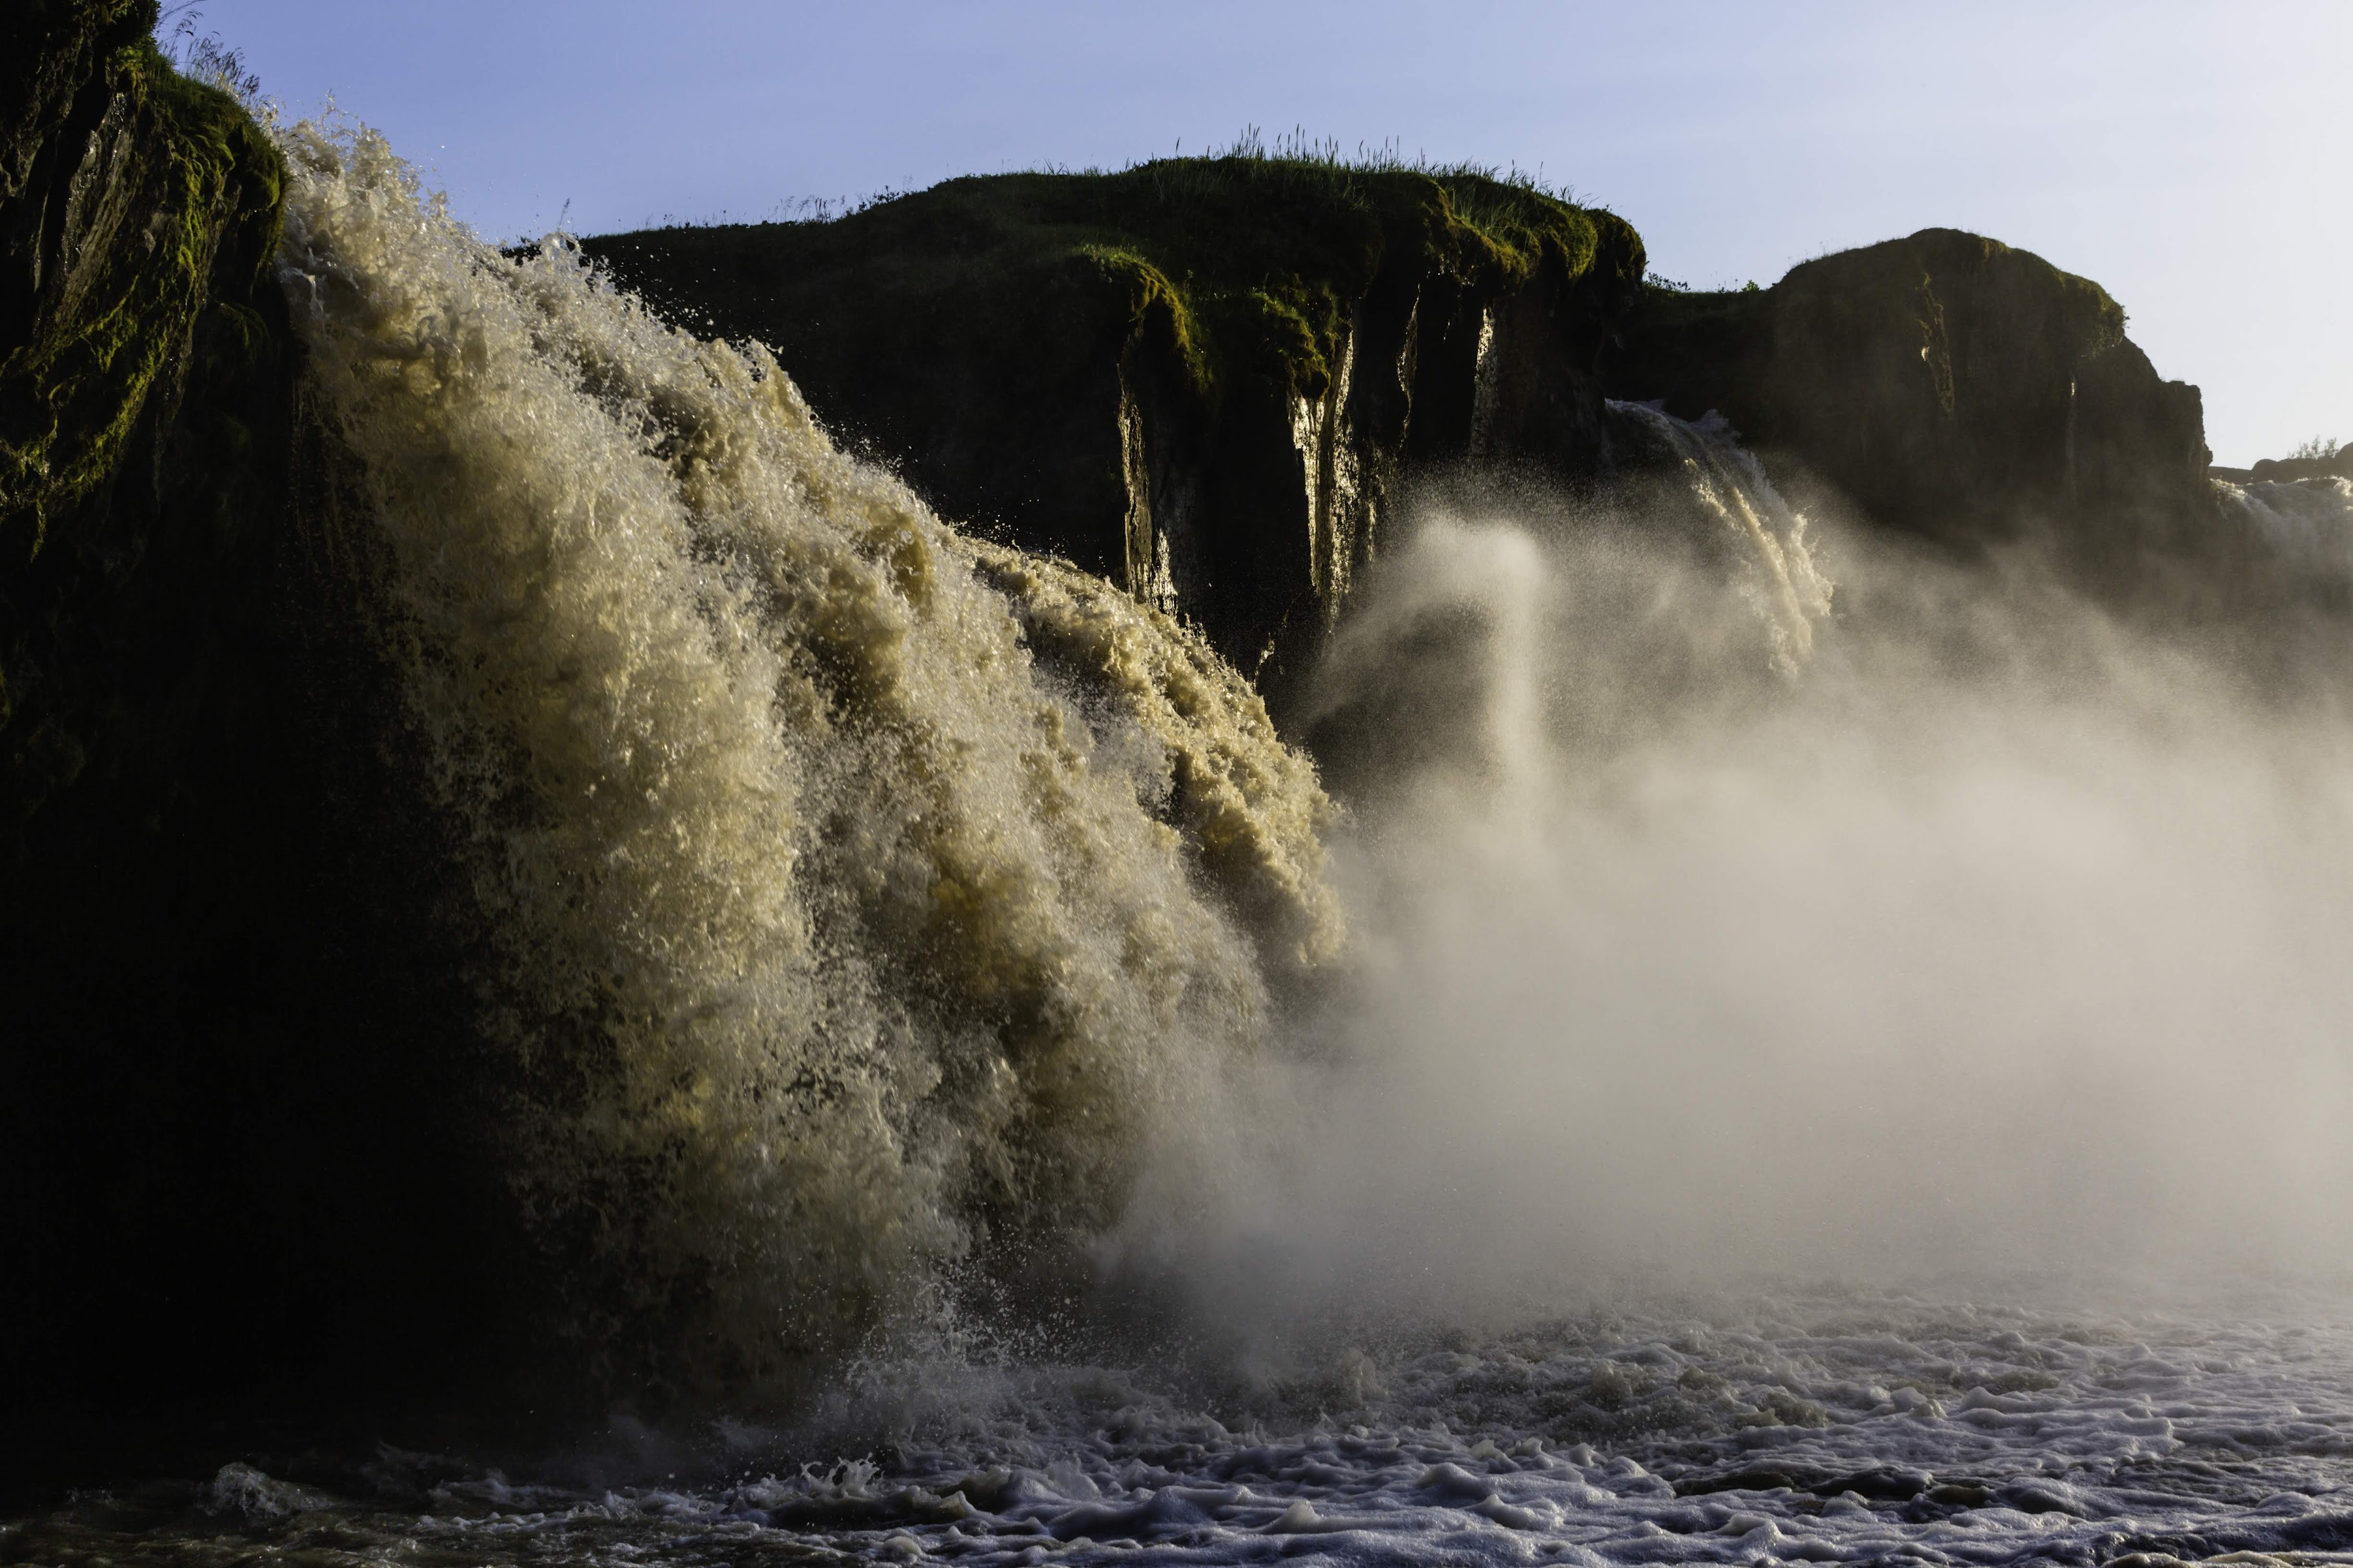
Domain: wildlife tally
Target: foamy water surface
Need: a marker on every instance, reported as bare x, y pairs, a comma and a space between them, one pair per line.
1807, 1427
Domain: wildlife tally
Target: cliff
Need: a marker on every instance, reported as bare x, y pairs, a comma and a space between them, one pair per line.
1208, 380
221, 1015
1203, 379
1950, 387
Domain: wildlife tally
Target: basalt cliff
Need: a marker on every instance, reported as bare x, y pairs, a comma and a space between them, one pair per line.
1176, 377
217, 972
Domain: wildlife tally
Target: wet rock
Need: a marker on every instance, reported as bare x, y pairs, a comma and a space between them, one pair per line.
1959, 1494
1888, 1483
1739, 1480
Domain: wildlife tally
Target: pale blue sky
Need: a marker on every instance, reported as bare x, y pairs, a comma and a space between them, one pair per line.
2196, 159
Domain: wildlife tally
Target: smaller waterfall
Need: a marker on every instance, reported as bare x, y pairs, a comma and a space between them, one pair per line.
2305, 525
1452, 671
1784, 584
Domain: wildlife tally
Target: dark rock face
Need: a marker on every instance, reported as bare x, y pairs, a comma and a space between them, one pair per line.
1950, 385
1204, 379
210, 902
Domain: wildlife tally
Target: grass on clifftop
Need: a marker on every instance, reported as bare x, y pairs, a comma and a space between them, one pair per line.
1255, 256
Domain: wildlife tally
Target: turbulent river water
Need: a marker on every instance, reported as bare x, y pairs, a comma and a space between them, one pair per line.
1823, 1425
1764, 1071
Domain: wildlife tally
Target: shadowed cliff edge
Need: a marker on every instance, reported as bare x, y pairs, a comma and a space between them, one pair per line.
1950, 387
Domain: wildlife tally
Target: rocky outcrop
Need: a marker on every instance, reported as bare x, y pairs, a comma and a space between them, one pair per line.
1203, 379
1949, 386
141, 210
2282, 470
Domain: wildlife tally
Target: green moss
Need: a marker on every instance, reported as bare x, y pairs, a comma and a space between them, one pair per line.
1150, 291
190, 210
125, 437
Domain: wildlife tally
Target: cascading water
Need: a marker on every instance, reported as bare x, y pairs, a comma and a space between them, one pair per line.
1782, 583
2304, 525
1696, 585
849, 882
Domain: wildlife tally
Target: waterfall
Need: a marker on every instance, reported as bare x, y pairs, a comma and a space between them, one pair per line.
844, 885
2305, 525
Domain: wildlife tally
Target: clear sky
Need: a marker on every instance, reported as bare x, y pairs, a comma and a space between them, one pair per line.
2196, 159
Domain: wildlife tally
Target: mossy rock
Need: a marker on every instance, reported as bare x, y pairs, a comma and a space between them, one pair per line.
224, 1157
154, 198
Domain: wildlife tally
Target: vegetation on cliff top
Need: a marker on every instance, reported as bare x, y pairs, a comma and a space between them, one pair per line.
1251, 258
